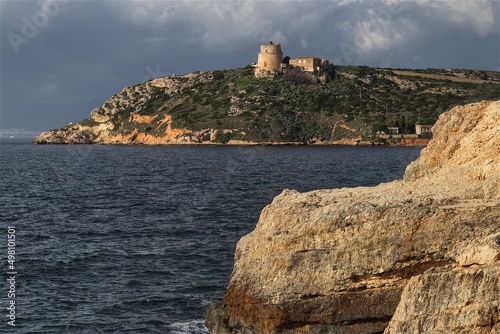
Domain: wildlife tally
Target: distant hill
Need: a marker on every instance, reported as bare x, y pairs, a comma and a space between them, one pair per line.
348, 103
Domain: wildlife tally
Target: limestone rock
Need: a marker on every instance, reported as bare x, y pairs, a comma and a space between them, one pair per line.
390, 257
465, 300
468, 144
64, 136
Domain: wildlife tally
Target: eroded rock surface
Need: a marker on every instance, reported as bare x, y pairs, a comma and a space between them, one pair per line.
411, 256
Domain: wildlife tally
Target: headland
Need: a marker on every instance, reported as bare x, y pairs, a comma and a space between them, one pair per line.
304, 100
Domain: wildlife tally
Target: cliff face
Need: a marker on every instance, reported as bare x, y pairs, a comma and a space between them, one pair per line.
411, 256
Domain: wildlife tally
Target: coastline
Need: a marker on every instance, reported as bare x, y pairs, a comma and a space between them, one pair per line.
345, 142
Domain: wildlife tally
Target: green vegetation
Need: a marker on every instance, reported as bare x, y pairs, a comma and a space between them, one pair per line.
361, 100
90, 122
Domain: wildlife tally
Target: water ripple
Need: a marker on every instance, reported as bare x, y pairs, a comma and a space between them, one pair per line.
117, 239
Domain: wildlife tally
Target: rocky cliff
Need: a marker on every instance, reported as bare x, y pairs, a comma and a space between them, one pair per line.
419, 255
138, 114
233, 106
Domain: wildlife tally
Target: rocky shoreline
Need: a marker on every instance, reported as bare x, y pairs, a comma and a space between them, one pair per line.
416, 255
76, 137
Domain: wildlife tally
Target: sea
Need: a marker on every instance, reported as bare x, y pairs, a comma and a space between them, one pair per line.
140, 239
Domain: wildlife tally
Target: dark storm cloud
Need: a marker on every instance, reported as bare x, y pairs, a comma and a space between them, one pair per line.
79, 51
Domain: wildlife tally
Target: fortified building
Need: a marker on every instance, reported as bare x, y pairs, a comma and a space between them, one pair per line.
309, 64
270, 61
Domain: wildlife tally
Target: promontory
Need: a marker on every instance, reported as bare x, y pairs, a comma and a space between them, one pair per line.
417, 255
336, 104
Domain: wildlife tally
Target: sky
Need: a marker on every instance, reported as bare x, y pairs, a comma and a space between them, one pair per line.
59, 59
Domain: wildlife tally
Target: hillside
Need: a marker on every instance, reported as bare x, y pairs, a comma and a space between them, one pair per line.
232, 105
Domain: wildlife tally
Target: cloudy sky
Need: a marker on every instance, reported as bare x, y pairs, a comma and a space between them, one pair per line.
61, 58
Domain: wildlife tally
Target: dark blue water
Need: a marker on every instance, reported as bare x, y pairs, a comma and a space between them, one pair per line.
136, 239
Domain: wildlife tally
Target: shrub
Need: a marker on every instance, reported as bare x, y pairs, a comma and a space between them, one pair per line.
298, 76
90, 122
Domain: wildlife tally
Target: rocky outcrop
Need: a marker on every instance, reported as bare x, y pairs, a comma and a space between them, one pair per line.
411, 256
135, 116
463, 300
64, 136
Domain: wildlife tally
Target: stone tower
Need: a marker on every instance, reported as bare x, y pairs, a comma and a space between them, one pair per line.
269, 59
